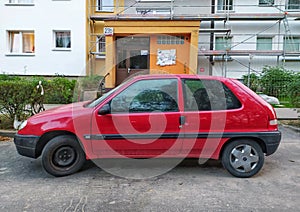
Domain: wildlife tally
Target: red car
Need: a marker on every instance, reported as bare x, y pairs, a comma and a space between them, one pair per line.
157, 116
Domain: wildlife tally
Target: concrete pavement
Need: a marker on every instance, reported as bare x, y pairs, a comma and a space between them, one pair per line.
187, 187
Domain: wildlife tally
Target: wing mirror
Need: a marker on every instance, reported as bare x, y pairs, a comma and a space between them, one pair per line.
105, 109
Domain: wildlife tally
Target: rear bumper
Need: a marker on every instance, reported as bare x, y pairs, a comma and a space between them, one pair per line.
26, 145
272, 141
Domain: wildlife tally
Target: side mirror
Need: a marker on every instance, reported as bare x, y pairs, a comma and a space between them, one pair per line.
105, 109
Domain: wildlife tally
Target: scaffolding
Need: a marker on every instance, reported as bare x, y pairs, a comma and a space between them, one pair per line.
176, 10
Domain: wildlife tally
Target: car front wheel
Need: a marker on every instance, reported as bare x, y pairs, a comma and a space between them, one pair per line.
63, 156
243, 158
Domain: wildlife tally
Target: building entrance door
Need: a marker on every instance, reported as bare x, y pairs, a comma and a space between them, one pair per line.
133, 57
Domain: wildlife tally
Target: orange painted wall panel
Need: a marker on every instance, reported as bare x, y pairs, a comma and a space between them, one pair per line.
182, 55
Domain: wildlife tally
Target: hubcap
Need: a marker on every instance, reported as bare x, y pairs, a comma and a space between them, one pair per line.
64, 156
244, 158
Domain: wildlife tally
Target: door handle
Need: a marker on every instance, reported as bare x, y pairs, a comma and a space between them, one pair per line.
181, 121
128, 70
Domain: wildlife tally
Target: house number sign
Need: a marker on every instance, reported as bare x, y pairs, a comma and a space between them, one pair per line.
108, 31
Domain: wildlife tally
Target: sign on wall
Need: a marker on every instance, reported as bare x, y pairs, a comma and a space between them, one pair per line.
166, 57
108, 31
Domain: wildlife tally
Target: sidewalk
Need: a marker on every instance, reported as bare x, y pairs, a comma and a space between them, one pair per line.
287, 113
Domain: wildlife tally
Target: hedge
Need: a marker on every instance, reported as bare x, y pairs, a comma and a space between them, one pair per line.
277, 81
16, 94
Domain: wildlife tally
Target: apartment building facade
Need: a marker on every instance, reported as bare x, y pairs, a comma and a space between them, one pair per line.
42, 37
234, 37
126, 37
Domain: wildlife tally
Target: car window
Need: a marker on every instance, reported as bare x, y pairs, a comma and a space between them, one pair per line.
206, 95
156, 95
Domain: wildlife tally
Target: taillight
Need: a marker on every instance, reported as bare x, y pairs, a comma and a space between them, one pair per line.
273, 122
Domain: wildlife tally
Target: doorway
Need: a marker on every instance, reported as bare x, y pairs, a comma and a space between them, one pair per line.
133, 57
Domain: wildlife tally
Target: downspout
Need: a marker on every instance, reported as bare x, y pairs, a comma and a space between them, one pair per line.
212, 37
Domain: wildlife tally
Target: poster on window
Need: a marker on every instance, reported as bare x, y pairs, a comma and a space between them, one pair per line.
166, 57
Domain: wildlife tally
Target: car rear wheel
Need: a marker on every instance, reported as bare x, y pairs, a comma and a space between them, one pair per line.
243, 158
63, 156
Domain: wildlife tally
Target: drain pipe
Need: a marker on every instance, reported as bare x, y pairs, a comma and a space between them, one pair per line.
212, 37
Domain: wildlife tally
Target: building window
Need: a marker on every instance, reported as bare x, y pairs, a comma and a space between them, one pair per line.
101, 52
62, 40
264, 43
266, 2
294, 5
223, 43
21, 42
159, 11
166, 39
292, 44
225, 5
105, 5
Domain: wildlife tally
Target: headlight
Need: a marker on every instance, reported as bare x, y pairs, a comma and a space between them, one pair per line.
22, 125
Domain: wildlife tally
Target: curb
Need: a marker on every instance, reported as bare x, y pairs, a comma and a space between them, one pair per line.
7, 133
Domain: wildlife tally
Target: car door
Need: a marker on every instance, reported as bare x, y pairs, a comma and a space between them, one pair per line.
143, 121
207, 106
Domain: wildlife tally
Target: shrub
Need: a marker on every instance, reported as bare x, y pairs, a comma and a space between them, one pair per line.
14, 97
59, 90
18, 95
294, 91
275, 81
254, 81
4, 77
279, 82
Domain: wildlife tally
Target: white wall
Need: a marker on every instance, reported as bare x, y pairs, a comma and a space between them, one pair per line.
44, 17
244, 38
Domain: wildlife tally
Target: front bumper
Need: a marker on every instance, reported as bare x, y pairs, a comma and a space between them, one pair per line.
26, 145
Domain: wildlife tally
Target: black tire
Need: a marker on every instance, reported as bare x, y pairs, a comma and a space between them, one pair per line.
243, 158
63, 156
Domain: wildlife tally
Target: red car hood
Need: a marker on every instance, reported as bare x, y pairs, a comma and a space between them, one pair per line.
66, 117
65, 110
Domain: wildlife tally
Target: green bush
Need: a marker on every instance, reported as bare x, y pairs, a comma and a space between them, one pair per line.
275, 81
4, 77
254, 81
18, 95
278, 82
14, 97
59, 90
294, 91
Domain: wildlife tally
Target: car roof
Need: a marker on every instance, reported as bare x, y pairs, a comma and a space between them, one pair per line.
181, 76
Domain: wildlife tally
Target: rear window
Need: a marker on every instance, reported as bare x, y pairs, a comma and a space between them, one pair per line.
208, 95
